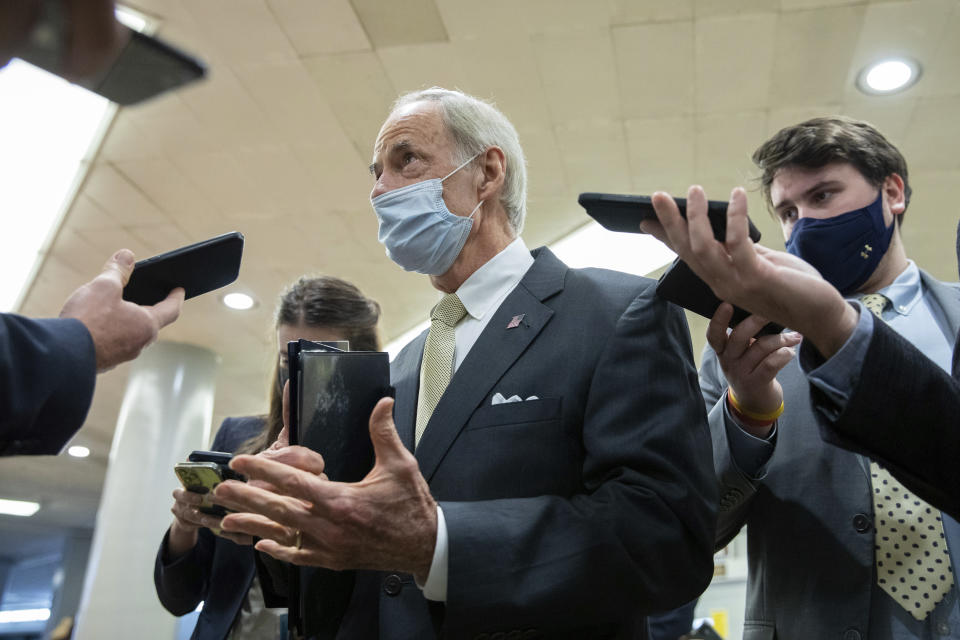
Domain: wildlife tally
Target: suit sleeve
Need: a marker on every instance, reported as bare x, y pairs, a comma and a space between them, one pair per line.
903, 413
737, 488
46, 383
182, 583
640, 536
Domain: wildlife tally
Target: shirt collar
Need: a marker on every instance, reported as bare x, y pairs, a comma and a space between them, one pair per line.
906, 291
497, 277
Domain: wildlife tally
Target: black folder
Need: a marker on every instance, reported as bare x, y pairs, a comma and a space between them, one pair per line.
332, 393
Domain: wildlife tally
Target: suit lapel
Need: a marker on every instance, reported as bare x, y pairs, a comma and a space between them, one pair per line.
492, 355
948, 297
406, 382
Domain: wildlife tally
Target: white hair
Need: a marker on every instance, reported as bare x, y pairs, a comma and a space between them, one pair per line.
476, 125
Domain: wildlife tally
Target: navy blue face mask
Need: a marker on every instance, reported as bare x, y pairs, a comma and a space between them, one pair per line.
845, 249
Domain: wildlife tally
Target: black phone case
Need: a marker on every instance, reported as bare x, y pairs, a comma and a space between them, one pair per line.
198, 268
221, 458
678, 284
332, 394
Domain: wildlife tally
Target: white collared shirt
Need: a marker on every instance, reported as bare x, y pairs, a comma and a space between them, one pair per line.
481, 294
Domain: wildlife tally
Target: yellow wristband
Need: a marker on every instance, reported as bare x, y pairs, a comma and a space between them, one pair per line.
759, 417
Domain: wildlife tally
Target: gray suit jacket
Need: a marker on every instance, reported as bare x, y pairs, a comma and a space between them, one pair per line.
573, 515
809, 518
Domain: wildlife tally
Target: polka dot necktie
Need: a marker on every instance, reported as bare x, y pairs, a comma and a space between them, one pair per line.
913, 564
437, 366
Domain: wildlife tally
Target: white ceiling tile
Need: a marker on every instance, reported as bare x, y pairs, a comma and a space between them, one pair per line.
655, 68
662, 153
941, 70
624, 12
709, 8
546, 174
226, 114
724, 144
578, 72
891, 115
165, 185
782, 117
358, 90
594, 155
734, 62
517, 92
86, 214
813, 55
421, 66
324, 27
120, 197
802, 5
466, 19
389, 24
222, 179
933, 136
160, 238
244, 31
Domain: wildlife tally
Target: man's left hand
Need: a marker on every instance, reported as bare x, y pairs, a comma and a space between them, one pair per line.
387, 521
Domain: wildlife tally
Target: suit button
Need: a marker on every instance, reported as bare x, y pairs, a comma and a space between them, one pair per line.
851, 634
862, 524
392, 584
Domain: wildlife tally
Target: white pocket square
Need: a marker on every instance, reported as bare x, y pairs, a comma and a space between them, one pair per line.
499, 399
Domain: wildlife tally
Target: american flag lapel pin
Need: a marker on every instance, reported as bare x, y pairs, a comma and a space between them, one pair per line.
515, 321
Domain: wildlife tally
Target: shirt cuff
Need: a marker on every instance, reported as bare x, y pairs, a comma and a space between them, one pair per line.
749, 452
435, 588
839, 376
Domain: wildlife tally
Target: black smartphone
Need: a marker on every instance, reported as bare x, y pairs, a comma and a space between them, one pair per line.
678, 284
221, 459
145, 67
198, 268
624, 213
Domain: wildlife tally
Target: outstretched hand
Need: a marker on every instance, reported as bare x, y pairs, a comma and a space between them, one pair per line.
119, 329
387, 521
772, 284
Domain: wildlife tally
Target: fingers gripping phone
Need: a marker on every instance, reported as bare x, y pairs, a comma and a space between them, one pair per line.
201, 474
202, 478
144, 68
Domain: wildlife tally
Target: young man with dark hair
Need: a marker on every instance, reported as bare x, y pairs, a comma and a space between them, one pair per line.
838, 548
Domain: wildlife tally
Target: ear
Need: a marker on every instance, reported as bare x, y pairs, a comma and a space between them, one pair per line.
494, 166
895, 194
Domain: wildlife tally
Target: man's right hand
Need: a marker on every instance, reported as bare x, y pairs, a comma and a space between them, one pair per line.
188, 519
750, 364
777, 285
120, 329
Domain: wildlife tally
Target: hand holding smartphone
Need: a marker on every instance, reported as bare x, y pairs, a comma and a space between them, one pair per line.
201, 474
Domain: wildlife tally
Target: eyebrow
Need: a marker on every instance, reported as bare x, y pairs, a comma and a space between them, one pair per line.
396, 147
819, 185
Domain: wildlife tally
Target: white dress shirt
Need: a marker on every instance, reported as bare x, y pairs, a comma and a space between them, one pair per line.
481, 294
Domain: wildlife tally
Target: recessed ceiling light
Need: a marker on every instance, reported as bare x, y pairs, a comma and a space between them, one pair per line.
239, 301
18, 507
78, 451
888, 76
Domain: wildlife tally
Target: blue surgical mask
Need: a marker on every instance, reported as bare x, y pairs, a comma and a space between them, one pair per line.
845, 249
418, 231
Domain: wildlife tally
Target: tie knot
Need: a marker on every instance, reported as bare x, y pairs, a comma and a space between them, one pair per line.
449, 310
875, 302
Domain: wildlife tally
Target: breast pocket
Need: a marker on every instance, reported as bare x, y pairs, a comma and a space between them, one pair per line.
513, 450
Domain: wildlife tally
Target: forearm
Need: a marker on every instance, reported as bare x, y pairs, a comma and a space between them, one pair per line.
46, 385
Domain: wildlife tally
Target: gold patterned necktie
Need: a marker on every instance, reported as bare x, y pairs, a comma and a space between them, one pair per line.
913, 564
437, 366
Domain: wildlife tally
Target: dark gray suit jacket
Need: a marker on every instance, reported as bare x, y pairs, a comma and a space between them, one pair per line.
47, 374
809, 519
570, 516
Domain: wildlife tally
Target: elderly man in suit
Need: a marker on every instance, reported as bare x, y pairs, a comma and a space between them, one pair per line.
546, 469
838, 548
